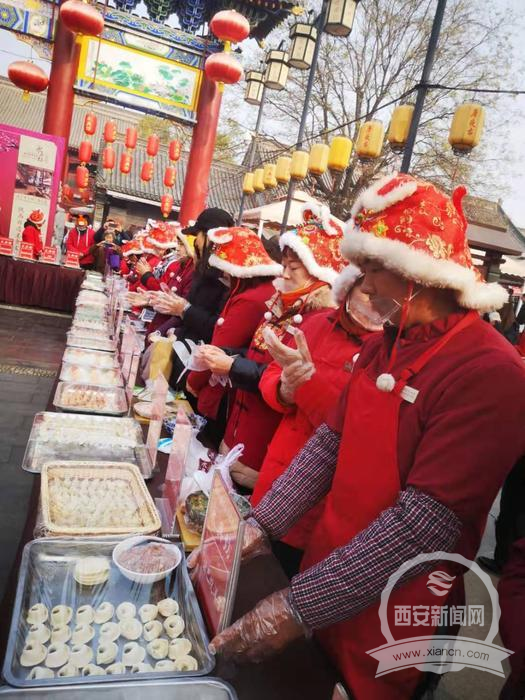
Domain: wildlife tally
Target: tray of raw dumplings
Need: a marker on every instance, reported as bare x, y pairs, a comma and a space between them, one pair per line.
105, 627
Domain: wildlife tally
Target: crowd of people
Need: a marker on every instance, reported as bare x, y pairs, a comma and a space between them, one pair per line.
379, 410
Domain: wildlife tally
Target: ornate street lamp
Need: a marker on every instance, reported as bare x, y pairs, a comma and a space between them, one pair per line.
340, 17
276, 72
302, 48
254, 87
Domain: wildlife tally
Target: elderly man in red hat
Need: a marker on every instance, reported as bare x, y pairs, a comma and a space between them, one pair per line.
411, 462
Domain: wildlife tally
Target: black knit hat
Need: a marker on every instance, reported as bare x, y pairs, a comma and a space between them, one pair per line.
208, 219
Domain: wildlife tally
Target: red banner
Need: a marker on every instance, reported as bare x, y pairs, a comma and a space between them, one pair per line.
6, 246
26, 251
50, 255
72, 260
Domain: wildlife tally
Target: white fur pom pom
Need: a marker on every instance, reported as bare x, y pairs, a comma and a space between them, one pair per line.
220, 321
297, 319
385, 382
268, 316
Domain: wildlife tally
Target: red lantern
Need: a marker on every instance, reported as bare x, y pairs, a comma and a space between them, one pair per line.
81, 18
131, 137
152, 145
27, 76
170, 175
110, 132
230, 25
90, 123
146, 172
166, 205
67, 192
85, 196
126, 161
85, 151
174, 151
108, 158
81, 177
223, 68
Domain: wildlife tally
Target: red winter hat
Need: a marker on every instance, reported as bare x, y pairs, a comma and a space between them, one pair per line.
317, 242
133, 247
164, 236
240, 252
37, 217
419, 232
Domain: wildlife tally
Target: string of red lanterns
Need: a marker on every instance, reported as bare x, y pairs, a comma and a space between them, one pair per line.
229, 27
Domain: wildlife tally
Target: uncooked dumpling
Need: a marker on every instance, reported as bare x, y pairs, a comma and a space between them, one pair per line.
37, 614
57, 655
85, 615
40, 672
116, 669
179, 647
92, 670
125, 610
106, 652
152, 630
104, 613
174, 626
33, 654
81, 655
186, 663
130, 628
168, 607
158, 648
164, 666
60, 635
68, 671
132, 653
38, 633
61, 615
82, 634
141, 668
148, 612
110, 631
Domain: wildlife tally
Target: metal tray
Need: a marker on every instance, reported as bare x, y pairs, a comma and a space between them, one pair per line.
117, 403
169, 689
81, 374
90, 358
46, 576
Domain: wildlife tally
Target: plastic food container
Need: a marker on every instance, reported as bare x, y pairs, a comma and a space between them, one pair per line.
136, 576
90, 358
90, 340
84, 374
89, 398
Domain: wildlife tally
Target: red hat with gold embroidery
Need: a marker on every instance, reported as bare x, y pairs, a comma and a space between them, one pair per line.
419, 232
133, 247
164, 236
240, 252
317, 242
36, 217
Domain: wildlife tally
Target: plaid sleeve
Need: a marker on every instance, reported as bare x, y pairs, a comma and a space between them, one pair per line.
306, 481
352, 577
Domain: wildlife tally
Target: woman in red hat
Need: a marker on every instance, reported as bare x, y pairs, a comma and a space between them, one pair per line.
248, 269
311, 261
79, 241
411, 461
175, 269
32, 231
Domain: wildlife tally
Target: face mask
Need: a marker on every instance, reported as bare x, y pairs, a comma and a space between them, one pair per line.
380, 311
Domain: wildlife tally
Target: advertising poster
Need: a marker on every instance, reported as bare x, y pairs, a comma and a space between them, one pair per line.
30, 164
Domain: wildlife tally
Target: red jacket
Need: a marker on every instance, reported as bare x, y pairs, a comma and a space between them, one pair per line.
241, 315
252, 421
32, 235
80, 243
178, 277
332, 350
511, 591
135, 284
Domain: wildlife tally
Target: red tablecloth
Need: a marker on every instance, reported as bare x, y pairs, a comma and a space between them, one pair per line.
24, 283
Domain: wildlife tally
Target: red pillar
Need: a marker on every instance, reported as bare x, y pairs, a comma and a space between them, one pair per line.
60, 96
201, 152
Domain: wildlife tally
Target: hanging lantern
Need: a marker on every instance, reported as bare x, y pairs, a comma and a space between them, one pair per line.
466, 128
81, 177
28, 77
85, 150
131, 137
146, 172
303, 38
369, 142
247, 184
254, 87
299, 165
276, 72
166, 205
269, 178
108, 158
85, 196
340, 152
400, 126
81, 18
110, 132
223, 68
152, 145
126, 161
170, 175
258, 180
282, 169
67, 192
174, 151
340, 17
230, 26
318, 160
90, 123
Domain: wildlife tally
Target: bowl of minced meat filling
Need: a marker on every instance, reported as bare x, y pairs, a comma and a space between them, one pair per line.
146, 559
